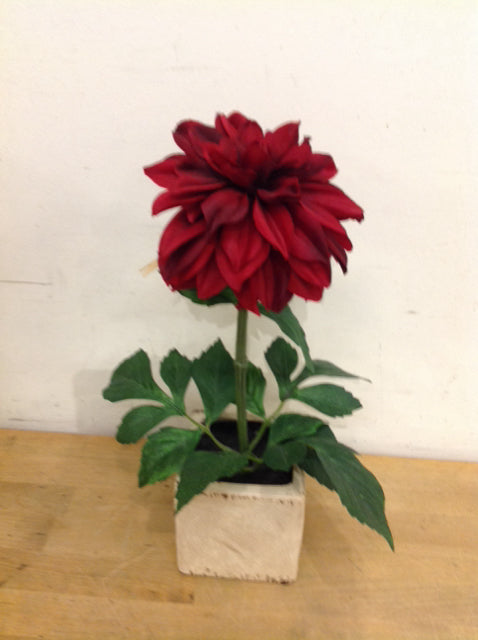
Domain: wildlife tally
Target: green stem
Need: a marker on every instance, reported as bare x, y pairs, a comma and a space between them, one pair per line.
207, 431
240, 370
265, 425
218, 443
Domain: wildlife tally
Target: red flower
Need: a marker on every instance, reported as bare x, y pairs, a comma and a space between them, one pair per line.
257, 213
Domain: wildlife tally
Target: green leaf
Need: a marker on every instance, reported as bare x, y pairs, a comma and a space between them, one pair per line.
165, 452
225, 296
213, 373
133, 379
283, 456
293, 426
290, 326
203, 467
282, 359
313, 466
325, 433
137, 422
176, 372
255, 388
327, 398
324, 368
358, 489
288, 439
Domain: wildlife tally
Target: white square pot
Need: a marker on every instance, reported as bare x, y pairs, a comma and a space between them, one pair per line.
245, 531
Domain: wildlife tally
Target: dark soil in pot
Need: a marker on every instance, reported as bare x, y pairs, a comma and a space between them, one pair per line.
226, 432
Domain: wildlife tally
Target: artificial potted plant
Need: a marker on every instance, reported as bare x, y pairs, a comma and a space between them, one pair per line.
258, 223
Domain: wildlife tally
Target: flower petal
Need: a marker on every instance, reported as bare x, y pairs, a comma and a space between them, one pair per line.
226, 206
198, 178
301, 246
268, 285
338, 250
193, 137
275, 225
324, 217
239, 128
179, 232
209, 281
183, 194
186, 262
224, 126
306, 220
165, 200
247, 299
332, 198
241, 250
165, 173
297, 157
321, 167
223, 159
316, 273
257, 213
283, 188
193, 213
304, 289
255, 158
278, 142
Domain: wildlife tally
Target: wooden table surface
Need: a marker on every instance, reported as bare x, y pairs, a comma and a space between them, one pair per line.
85, 554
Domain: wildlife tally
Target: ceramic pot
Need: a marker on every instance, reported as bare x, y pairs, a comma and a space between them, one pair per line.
244, 531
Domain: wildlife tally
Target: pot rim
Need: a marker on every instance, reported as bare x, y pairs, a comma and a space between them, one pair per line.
295, 488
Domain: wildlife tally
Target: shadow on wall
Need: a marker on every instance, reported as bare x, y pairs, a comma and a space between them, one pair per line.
94, 414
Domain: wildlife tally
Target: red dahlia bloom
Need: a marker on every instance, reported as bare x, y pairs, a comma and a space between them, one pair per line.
257, 213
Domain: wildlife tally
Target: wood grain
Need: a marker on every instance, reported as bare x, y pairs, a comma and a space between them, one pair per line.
85, 554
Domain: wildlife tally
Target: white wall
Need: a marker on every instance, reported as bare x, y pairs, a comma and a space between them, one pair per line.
91, 91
